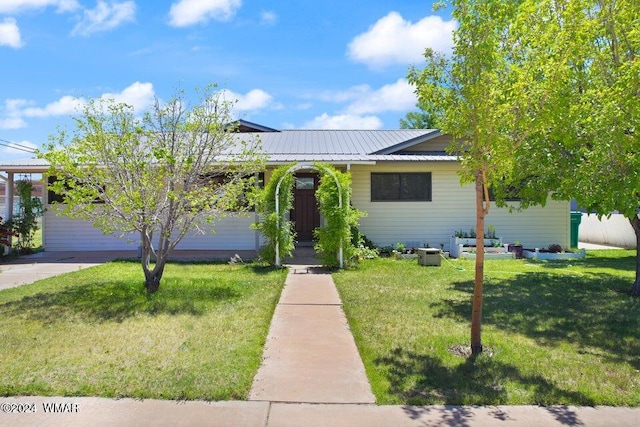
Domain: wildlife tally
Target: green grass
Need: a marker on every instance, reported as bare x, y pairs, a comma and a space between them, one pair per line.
554, 332
96, 332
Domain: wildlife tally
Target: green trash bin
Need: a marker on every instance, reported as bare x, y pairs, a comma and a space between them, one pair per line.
576, 218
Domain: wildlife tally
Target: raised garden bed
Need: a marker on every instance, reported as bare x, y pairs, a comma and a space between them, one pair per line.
463, 245
399, 255
541, 254
489, 255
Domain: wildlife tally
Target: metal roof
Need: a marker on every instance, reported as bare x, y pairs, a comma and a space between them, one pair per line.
342, 142
331, 146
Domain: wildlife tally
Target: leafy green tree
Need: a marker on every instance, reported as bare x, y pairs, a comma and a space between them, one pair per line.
417, 119
25, 222
577, 84
162, 175
465, 96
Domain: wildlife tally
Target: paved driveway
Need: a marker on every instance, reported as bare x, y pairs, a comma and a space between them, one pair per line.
29, 268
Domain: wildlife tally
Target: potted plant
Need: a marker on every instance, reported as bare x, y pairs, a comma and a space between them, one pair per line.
516, 248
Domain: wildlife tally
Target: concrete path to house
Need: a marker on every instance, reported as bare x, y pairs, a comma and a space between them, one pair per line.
311, 376
310, 355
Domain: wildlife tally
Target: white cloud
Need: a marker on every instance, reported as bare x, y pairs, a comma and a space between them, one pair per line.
255, 99
19, 147
393, 40
15, 6
10, 34
268, 18
190, 12
362, 99
105, 17
12, 114
354, 92
12, 123
343, 121
66, 105
139, 95
398, 96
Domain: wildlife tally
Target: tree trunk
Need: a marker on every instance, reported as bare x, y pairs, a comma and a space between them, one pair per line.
635, 223
476, 312
152, 278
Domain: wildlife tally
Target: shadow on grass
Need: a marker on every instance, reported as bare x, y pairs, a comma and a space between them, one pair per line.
255, 267
422, 379
622, 263
590, 310
116, 301
465, 416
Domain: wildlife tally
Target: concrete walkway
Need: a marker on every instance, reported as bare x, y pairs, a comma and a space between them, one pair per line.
100, 412
311, 376
310, 355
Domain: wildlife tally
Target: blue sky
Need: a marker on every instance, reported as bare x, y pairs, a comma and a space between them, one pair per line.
290, 64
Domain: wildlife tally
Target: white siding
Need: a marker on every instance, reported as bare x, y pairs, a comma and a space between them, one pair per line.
61, 233
65, 234
414, 223
452, 208
615, 230
436, 144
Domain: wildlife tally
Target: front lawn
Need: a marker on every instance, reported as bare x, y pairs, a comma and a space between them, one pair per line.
96, 332
554, 333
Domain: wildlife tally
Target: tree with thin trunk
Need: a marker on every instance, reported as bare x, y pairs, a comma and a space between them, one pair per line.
465, 95
577, 85
175, 169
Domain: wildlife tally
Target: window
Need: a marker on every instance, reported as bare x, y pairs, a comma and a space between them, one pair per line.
511, 194
53, 197
217, 179
305, 183
401, 187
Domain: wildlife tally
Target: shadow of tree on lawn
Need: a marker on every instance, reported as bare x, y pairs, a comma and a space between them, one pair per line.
116, 301
422, 379
588, 310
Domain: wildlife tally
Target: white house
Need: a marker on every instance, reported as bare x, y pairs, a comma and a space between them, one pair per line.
404, 180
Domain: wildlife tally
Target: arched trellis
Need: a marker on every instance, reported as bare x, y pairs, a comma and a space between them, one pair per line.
296, 167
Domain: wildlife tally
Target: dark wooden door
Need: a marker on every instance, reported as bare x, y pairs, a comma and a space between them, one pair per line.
305, 214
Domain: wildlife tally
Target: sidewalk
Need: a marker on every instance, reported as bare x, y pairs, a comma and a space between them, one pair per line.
310, 355
311, 375
99, 412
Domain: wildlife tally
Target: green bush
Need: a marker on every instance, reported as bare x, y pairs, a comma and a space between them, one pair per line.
339, 221
275, 228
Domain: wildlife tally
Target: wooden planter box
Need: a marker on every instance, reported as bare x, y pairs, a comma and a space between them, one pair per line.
553, 256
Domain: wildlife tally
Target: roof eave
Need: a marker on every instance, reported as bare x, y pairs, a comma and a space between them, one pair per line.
409, 143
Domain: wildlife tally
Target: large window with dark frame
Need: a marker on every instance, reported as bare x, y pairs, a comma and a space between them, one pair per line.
401, 187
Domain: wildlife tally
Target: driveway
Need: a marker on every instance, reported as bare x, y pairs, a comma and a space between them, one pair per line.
29, 268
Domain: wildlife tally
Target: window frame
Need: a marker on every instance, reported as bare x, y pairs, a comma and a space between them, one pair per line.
402, 178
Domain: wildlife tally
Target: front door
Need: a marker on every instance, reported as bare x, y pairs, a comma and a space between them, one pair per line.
305, 214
